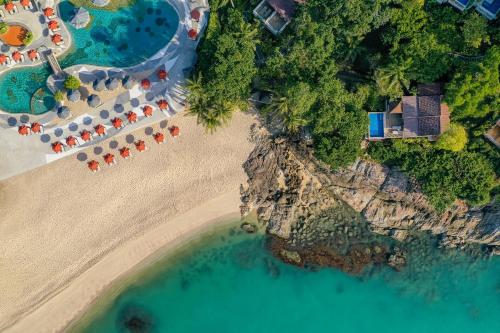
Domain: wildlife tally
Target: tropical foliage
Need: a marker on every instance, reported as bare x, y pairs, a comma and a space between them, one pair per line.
454, 139
3, 28
59, 96
338, 59
71, 83
28, 38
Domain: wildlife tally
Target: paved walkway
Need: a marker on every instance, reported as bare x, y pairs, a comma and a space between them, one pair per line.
20, 154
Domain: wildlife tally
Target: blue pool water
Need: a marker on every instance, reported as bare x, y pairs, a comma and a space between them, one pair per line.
376, 125
119, 38
231, 284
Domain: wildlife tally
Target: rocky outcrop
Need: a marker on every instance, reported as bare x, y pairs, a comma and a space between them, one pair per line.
288, 186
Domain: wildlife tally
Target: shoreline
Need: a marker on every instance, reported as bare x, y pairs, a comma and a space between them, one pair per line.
151, 265
58, 239
73, 301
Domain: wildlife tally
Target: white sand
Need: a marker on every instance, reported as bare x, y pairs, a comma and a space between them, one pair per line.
66, 233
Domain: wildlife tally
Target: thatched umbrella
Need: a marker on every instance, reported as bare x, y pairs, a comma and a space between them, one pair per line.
94, 100
99, 84
74, 95
128, 82
112, 84
63, 112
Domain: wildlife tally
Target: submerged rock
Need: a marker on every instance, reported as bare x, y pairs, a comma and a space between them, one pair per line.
136, 319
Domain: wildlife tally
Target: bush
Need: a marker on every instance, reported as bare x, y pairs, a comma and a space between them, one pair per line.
3, 28
59, 96
71, 83
454, 139
28, 38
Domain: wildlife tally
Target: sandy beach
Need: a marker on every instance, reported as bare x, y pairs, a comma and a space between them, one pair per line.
67, 233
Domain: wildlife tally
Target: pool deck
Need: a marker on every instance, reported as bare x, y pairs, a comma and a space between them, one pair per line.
36, 22
23, 153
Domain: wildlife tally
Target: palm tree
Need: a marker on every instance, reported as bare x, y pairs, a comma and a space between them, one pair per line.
195, 88
281, 106
392, 80
246, 31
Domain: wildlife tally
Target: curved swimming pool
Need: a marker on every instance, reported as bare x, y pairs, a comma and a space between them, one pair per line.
120, 38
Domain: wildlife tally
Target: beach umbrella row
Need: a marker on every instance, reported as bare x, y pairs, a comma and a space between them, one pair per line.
25, 129
125, 153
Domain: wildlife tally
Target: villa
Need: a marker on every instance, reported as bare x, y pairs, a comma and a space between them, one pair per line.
424, 115
276, 14
488, 8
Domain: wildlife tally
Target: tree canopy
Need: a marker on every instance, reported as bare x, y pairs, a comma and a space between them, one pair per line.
454, 139
71, 83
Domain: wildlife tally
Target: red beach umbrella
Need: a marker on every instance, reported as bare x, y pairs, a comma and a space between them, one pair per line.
109, 159
36, 127
162, 104
53, 25
32, 54
117, 123
86, 135
93, 166
3, 58
159, 137
48, 12
175, 131
125, 152
57, 147
16, 55
192, 34
195, 15
131, 117
100, 130
23, 130
145, 84
9, 6
147, 110
25, 3
162, 74
71, 141
56, 39
140, 146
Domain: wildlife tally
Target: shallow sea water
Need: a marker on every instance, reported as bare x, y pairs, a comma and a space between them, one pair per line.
119, 38
231, 284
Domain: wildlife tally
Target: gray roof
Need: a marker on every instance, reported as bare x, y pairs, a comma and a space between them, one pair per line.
99, 85
94, 100
81, 18
63, 112
74, 95
112, 84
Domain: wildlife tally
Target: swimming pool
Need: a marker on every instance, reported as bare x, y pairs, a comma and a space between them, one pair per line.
119, 38
376, 125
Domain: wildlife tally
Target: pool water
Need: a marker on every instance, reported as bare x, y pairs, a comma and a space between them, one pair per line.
376, 125
231, 284
119, 38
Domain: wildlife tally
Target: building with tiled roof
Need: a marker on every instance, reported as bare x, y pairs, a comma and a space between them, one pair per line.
423, 115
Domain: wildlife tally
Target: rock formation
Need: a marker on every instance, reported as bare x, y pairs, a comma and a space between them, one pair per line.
288, 187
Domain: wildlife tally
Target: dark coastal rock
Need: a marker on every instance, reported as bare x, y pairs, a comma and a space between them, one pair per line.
289, 188
136, 319
248, 227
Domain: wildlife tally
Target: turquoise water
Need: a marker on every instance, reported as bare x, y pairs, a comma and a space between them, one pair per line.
231, 284
119, 38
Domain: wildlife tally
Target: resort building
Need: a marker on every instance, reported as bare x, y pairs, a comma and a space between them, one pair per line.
424, 115
276, 14
488, 8
493, 134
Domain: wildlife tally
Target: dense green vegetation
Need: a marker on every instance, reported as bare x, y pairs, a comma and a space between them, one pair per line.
3, 28
28, 38
339, 59
71, 83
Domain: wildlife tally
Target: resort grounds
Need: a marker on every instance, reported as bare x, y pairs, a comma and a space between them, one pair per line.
67, 233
